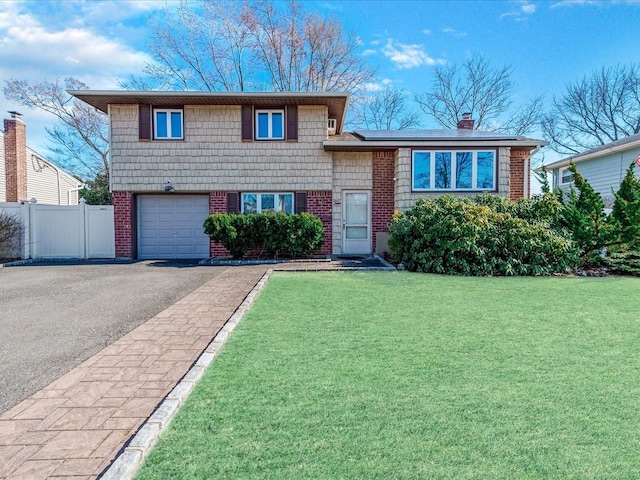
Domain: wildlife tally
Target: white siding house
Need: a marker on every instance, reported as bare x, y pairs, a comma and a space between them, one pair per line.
603, 167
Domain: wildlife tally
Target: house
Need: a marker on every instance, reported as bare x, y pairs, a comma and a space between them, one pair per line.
24, 174
178, 156
603, 167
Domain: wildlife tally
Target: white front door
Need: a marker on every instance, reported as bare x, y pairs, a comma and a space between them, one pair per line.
356, 222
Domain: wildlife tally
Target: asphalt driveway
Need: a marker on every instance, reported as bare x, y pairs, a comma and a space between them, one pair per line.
53, 317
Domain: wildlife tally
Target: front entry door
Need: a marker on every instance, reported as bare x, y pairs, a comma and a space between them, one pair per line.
356, 222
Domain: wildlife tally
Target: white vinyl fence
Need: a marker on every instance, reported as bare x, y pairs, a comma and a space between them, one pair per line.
61, 231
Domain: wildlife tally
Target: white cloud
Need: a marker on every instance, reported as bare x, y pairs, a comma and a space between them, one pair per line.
407, 56
528, 8
369, 52
454, 32
426, 32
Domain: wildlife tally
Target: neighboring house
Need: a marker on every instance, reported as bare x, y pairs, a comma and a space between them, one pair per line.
24, 174
603, 167
178, 156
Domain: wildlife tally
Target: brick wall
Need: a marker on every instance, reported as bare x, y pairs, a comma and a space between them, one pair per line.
15, 153
217, 204
319, 203
518, 174
382, 201
123, 215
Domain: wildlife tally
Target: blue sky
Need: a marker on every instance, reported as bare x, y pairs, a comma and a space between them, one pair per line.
548, 43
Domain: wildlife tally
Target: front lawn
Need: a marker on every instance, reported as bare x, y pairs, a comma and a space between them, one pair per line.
404, 376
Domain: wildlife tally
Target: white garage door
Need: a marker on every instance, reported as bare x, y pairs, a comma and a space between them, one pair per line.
170, 226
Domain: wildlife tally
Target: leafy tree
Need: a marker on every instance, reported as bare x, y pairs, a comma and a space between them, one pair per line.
79, 139
483, 90
96, 191
598, 109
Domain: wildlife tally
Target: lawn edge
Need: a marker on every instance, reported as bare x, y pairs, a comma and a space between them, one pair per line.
129, 460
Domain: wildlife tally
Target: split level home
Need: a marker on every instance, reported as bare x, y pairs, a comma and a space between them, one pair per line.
178, 156
25, 174
603, 167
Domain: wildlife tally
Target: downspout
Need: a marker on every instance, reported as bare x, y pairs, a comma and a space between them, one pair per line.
528, 170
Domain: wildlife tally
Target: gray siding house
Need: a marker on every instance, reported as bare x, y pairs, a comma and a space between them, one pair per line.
604, 167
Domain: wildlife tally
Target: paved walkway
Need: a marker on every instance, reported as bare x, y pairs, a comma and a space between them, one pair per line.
74, 427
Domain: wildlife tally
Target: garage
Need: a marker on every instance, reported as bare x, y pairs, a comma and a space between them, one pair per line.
170, 226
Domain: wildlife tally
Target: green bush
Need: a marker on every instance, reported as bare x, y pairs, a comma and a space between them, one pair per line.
269, 234
625, 216
454, 235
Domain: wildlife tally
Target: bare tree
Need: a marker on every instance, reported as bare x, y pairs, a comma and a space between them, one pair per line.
198, 46
79, 139
482, 89
595, 110
385, 109
238, 46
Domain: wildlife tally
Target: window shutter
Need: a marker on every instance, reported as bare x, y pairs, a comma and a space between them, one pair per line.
144, 122
233, 202
301, 202
292, 123
247, 122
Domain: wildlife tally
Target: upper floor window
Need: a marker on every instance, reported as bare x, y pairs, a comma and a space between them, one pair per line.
566, 177
267, 203
167, 124
269, 124
453, 170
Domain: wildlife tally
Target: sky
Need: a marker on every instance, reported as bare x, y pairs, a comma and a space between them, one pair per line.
549, 44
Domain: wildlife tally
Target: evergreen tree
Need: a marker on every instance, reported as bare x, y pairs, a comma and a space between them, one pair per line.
625, 217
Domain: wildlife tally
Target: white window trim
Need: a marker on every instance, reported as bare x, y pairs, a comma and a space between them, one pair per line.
560, 172
474, 170
270, 124
168, 111
259, 200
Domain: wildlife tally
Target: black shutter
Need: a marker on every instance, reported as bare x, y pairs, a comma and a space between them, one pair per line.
292, 123
144, 122
247, 122
301, 202
233, 202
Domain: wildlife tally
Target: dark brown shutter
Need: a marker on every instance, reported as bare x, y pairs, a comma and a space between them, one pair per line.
247, 122
144, 122
292, 123
233, 202
301, 202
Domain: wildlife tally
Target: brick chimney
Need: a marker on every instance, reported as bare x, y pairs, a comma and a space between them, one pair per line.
467, 122
15, 158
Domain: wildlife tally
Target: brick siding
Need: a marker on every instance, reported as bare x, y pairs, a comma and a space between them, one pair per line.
382, 202
123, 223
217, 204
517, 171
15, 147
319, 204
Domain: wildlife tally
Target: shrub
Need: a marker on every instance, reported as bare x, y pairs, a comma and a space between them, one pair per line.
625, 216
459, 236
273, 234
583, 215
10, 233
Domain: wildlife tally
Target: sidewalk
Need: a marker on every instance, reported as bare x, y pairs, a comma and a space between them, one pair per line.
74, 427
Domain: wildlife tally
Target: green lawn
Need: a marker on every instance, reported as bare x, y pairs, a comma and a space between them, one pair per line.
396, 375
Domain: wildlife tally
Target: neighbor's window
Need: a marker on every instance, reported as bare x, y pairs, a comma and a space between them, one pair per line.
566, 176
269, 124
454, 170
167, 124
267, 203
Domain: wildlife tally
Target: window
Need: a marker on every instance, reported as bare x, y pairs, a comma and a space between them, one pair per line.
566, 176
267, 203
454, 170
269, 124
167, 124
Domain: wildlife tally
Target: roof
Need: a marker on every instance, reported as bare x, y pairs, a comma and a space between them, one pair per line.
101, 99
391, 139
621, 144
